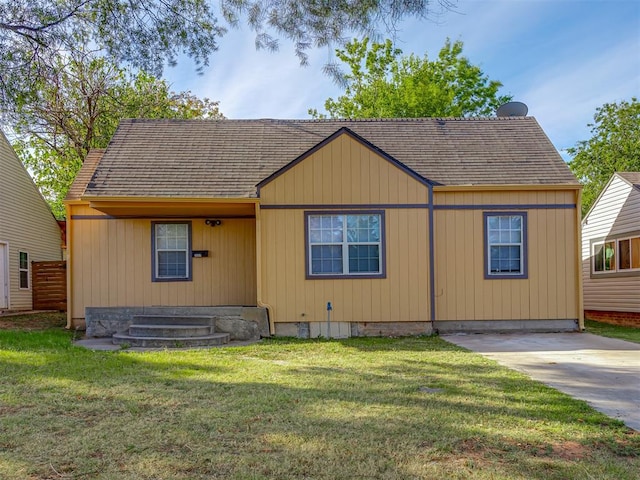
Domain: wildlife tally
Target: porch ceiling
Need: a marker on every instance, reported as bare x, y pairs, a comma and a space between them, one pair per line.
174, 209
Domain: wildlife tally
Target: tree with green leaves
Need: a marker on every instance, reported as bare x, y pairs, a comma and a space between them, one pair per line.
614, 146
143, 33
148, 34
382, 83
78, 106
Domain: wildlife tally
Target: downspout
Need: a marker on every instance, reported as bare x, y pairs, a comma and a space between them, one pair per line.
432, 267
260, 303
580, 292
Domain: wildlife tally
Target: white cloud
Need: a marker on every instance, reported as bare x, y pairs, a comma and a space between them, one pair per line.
564, 59
564, 99
260, 84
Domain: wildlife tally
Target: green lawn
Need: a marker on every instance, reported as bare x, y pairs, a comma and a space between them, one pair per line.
614, 331
409, 408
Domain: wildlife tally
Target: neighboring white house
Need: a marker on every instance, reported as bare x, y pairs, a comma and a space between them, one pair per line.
611, 252
28, 230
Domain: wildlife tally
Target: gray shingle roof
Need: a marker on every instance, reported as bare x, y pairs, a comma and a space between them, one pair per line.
227, 158
84, 175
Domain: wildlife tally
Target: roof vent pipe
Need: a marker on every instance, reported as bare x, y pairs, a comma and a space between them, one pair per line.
512, 109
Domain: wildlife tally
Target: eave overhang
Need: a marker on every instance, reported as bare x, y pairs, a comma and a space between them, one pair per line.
156, 207
509, 187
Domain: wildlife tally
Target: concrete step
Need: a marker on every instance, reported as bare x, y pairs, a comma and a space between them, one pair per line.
172, 320
171, 331
171, 342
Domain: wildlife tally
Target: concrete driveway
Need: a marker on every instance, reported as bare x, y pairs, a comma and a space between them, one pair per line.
604, 372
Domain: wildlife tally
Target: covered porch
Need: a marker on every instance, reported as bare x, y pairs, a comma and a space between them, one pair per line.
136, 254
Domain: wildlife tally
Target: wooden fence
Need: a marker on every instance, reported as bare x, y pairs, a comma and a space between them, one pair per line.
49, 285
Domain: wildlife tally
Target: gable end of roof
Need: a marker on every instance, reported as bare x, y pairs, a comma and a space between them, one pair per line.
363, 141
632, 178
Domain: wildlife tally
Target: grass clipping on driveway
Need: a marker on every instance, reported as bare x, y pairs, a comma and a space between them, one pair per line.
287, 409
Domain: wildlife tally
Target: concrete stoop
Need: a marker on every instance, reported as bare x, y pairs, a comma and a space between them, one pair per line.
171, 331
198, 324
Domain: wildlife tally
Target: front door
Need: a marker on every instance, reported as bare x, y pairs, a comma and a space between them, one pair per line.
4, 277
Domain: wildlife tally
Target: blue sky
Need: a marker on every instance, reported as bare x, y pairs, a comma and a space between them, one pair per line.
563, 58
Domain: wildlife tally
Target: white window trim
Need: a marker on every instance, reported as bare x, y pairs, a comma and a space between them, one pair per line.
20, 270
618, 256
615, 256
345, 246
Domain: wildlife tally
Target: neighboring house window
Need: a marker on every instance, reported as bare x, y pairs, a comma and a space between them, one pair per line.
171, 244
616, 255
604, 256
629, 249
24, 269
345, 245
506, 245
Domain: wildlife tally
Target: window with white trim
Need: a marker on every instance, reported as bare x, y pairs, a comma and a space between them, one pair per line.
24, 269
616, 255
505, 243
345, 245
629, 257
604, 257
171, 251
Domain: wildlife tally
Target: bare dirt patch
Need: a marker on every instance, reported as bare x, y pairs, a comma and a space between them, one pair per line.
33, 321
570, 450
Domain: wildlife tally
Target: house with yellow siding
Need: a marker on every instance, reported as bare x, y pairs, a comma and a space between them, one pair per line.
28, 231
327, 227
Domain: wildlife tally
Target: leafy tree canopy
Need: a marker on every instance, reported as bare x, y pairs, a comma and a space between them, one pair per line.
382, 83
78, 106
142, 33
147, 34
614, 146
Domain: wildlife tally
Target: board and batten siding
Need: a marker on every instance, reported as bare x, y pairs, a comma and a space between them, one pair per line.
110, 264
344, 175
26, 224
615, 213
551, 290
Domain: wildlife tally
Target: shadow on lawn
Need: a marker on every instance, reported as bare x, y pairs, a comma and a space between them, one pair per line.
393, 382
375, 344
241, 408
